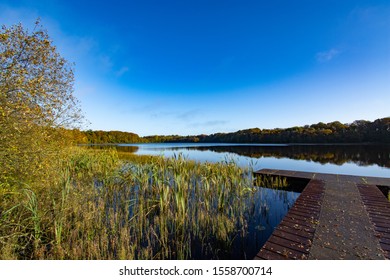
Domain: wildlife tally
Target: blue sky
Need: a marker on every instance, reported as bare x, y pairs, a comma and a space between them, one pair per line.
193, 67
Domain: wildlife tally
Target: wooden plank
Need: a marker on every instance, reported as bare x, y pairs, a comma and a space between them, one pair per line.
375, 196
298, 219
289, 244
382, 229
378, 211
375, 216
292, 215
259, 258
308, 203
380, 220
380, 204
312, 213
301, 223
270, 255
303, 234
381, 224
382, 215
298, 227
385, 246
292, 237
306, 208
385, 240
303, 215
311, 216
384, 235
310, 195
287, 252
304, 211
286, 173
305, 175
384, 205
376, 207
310, 198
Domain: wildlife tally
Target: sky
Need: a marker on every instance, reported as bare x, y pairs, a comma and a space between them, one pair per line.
200, 67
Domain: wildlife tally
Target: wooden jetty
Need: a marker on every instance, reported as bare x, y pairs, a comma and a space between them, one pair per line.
335, 217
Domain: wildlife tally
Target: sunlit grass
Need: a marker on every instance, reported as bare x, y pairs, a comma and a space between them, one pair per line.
277, 182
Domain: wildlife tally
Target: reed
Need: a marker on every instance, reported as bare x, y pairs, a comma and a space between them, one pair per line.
103, 207
270, 181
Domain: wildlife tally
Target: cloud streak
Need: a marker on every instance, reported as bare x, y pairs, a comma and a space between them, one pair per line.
122, 71
213, 123
328, 55
177, 115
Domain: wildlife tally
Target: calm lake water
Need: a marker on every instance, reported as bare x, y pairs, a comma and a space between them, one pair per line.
360, 160
269, 206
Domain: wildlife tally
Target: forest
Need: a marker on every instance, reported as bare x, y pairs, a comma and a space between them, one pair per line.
359, 131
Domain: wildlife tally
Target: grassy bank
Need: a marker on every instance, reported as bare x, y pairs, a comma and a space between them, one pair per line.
98, 206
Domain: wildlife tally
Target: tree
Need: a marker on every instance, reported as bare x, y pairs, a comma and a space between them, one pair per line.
36, 99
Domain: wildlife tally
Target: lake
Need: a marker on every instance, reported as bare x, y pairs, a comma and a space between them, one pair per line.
359, 160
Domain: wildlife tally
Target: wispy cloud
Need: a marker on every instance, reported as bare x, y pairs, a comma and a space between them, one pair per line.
122, 71
105, 62
10, 16
213, 123
373, 15
328, 55
177, 115
84, 89
187, 115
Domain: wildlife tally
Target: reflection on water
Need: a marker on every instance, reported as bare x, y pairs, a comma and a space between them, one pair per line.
385, 190
263, 217
335, 154
364, 160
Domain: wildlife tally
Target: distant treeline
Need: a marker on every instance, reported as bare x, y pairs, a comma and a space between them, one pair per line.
360, 131
105, 137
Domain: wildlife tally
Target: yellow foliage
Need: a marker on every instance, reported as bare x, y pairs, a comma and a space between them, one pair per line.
36, 87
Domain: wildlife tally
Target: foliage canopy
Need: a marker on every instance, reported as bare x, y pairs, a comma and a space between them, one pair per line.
36, 99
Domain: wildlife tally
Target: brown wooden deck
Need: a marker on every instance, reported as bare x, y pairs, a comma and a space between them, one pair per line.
378, 209
295, 235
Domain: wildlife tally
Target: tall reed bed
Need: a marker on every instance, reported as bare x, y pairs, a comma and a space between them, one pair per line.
100, 207
181, 206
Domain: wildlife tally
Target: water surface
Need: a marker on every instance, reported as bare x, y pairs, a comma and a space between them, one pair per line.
359, 160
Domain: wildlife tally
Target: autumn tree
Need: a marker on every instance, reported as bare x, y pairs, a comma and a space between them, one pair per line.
36, 99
